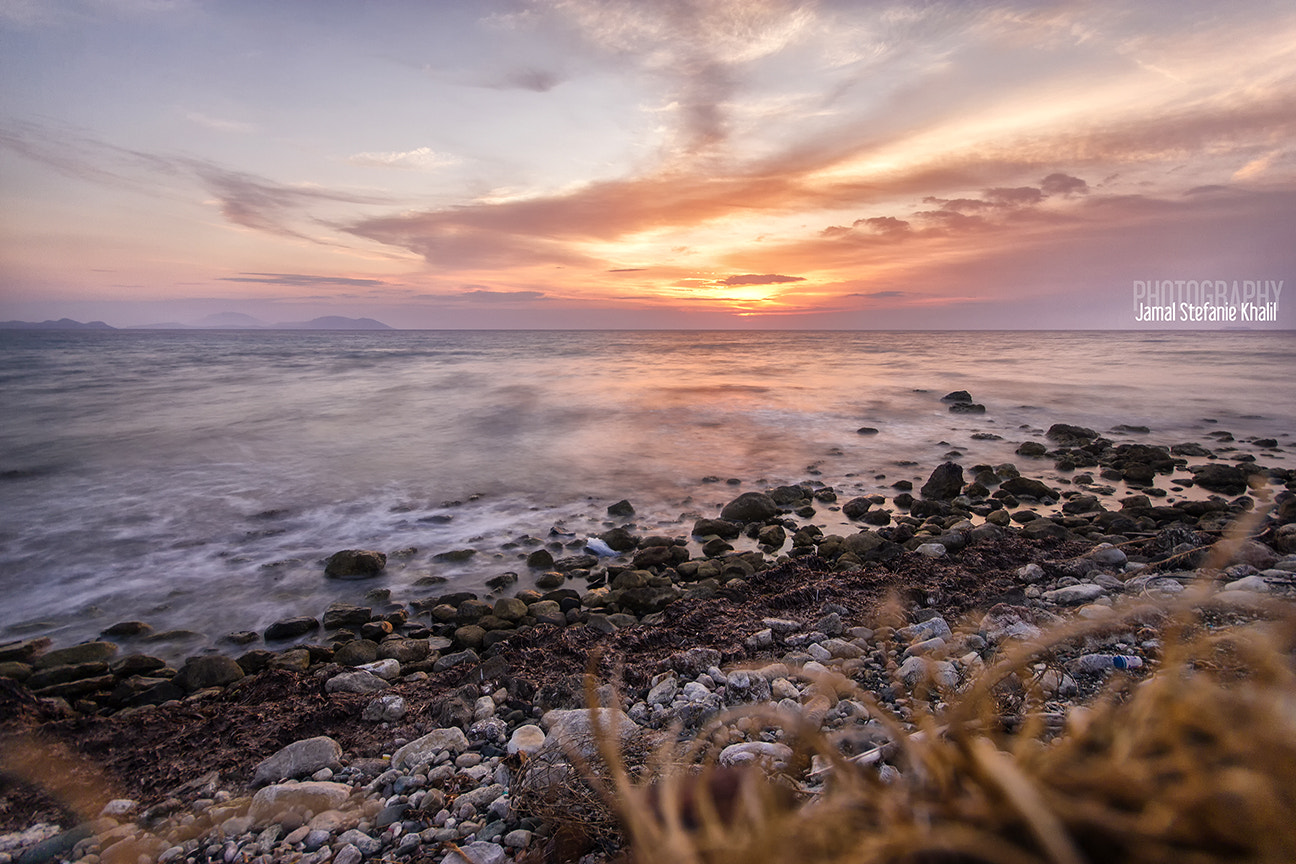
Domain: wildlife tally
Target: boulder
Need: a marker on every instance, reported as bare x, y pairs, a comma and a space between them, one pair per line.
355, 564
1024, 487
341, 614
945, 482
1070, 436
298, 759
957, 396
1218, 477
750, 507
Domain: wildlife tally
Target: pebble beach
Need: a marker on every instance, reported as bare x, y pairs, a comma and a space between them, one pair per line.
414, 731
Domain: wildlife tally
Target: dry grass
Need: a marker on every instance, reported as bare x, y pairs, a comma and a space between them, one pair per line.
1194, 764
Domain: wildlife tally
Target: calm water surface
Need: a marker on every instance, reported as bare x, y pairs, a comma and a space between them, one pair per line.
198, 479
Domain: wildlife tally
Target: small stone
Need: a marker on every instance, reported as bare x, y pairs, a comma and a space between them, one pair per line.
348, 854
290, 628
385, 709
477, 852
361, 841
387, 670
1074, 595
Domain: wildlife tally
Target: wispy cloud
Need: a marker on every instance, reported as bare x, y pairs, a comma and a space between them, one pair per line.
420, 158
219, 124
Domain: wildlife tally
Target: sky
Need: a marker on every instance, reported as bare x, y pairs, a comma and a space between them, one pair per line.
645, 163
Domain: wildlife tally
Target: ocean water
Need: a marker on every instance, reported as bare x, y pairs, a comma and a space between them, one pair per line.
197, 480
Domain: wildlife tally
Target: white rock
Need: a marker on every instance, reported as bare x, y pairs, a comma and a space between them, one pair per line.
1249, 583
932, 550
664, 692
769, 755
923, 630
526, 739
387, 670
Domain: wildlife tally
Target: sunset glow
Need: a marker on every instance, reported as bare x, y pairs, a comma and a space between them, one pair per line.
611, 163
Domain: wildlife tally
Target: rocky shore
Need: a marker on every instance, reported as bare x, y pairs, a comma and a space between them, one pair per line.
441, 729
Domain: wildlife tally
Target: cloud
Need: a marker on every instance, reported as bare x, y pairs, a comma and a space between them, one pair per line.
480, 295
534, 79
884, 224
1021, 196
420, 159
752, 279
1063, 184
879, 295
302, 279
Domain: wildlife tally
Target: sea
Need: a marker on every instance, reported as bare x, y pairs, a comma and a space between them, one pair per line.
198, 480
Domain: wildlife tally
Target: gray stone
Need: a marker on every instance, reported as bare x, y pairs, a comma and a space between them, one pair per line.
298, 759
348, 854
423, 749
1073, 595
931, 550
477, 852
384, 709
361, 841
526, 739
272, 802
355, 682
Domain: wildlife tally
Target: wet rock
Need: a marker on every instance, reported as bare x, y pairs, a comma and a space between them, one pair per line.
86, 652
127, 628
856, 507
299, 759
619, 540
621, 508
540, 559
722, 528
355, 564
944, 483
1218, 477
1070, 436
967, 408
290, 628
957, 396
214, 670
750, 507
346, 615
1024, 487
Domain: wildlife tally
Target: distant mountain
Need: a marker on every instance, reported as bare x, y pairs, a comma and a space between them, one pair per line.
230, 321
336, 322
239, 321
61, 324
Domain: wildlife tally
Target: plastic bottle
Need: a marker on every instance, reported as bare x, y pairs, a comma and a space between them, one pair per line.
1100, 662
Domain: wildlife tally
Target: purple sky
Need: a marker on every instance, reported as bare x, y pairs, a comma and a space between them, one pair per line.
617, 163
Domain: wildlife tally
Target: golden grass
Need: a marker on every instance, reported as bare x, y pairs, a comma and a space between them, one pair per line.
1193, 764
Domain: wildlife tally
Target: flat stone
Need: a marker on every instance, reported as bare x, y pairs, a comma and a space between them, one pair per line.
355, 682
272, 802
298, 759
86, 652
1074, 595
387, 670
422, 749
